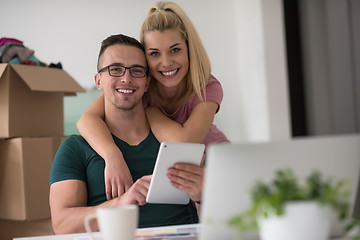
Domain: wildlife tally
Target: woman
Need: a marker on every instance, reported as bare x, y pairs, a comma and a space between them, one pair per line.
182, 100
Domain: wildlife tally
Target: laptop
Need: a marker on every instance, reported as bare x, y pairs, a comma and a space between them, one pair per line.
232, 169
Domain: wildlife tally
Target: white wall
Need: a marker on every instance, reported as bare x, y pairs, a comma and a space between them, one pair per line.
234, 33
262, 75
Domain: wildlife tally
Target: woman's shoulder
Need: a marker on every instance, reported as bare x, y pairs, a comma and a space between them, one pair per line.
213, 93
213, 80
214, 86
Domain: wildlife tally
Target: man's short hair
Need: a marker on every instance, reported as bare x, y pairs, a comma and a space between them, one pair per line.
119, 39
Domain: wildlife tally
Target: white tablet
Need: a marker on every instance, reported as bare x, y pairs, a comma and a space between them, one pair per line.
161, 190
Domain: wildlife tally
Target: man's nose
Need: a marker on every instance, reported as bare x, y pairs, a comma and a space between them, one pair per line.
127, 76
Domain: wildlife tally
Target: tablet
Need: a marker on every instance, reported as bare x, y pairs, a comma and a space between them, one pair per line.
161, 190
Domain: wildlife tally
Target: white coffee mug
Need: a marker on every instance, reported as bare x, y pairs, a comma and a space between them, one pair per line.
115, 222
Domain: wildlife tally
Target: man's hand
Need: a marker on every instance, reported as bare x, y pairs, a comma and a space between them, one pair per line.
68, 203
137, 192
188, 178
117, 178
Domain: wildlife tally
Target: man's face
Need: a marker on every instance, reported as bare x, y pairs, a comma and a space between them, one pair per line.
123, 92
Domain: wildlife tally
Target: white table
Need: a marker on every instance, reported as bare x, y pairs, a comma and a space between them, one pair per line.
142, 234
190, 232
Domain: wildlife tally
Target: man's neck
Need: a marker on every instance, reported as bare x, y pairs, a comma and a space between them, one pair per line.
130, 126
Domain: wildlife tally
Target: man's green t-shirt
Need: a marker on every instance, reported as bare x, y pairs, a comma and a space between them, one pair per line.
75, 159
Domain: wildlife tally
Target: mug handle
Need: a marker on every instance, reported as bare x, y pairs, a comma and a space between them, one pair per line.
87, 222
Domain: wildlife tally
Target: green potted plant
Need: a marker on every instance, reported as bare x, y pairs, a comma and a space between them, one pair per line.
353, 228
284, 206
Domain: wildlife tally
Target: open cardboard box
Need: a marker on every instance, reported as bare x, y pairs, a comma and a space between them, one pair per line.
25, 165
31, 100
10, 229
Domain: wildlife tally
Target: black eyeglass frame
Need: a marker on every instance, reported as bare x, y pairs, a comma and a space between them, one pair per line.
119, 65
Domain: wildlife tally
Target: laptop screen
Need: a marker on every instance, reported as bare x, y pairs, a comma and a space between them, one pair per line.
232, 169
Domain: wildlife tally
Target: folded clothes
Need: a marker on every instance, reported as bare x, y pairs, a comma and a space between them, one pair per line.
13, 51
57, 65
5, 46
21, 52
15, 60
29, 61
33, 59
13, 40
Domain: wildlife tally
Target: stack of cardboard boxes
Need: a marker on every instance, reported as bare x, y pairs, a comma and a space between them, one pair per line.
31, 130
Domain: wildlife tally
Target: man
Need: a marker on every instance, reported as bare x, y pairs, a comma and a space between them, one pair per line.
77, 174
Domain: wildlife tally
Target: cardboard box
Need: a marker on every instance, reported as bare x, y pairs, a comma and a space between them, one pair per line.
31, 100
16, 229
24, 177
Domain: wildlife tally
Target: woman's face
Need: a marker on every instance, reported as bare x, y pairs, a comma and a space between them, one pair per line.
167, 56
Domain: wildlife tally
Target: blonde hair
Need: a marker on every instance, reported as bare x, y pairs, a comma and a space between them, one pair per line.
168, 15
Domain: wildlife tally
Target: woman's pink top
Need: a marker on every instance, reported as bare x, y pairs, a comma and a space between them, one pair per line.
214, 93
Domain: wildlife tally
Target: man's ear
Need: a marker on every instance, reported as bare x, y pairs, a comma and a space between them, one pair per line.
148, 79
98, 81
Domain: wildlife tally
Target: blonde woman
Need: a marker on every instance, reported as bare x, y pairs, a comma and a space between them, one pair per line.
181, 102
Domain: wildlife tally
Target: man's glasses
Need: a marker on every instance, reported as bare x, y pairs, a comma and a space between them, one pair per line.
116, 70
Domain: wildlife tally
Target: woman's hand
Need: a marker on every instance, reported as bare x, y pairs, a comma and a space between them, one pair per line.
117, 178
